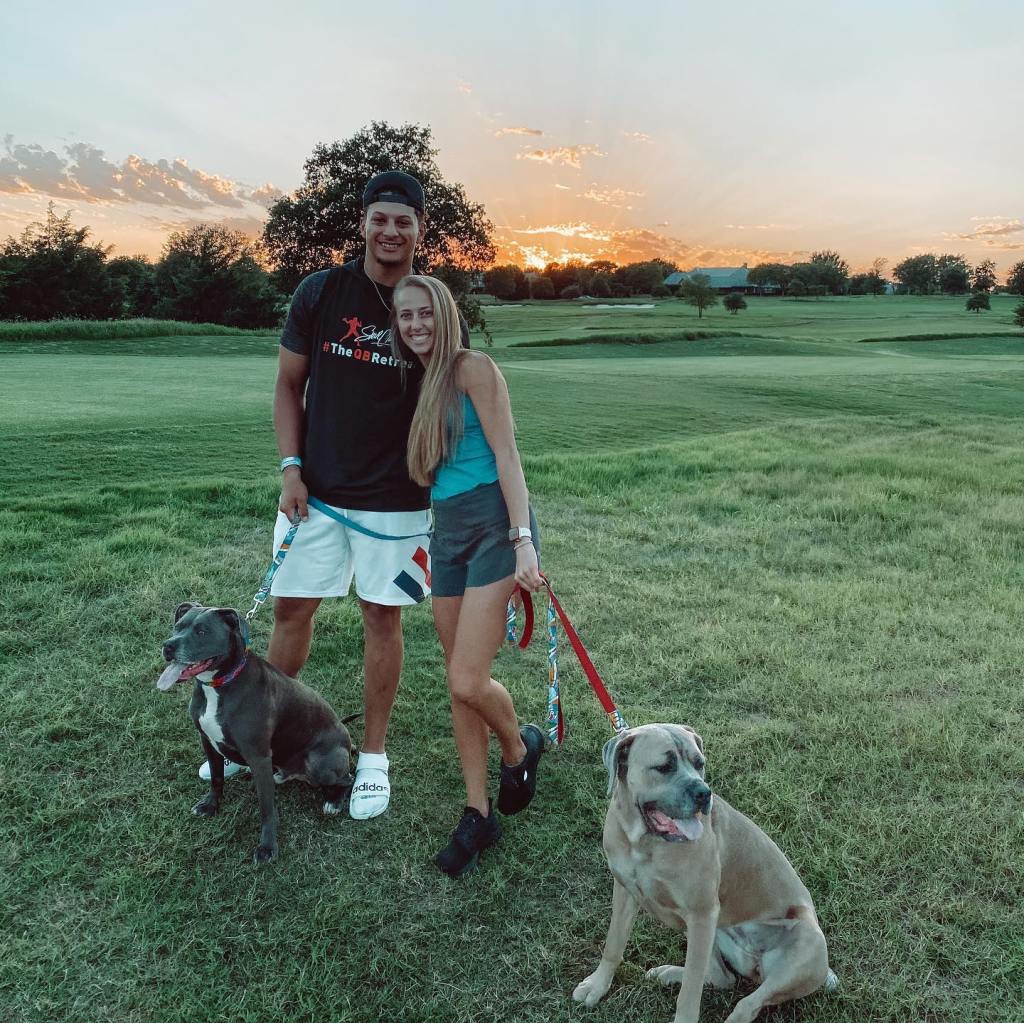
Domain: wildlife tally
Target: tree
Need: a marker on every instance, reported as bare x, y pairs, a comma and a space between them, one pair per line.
319, 224
640, 278
770, 275
832, 271
917, 274
573, 291
696, 290
600, 286
734, 302
542, 287
1015, 279
505, 282
984, 276
978, 301
867, 284
212, 274
953, 274
797, 288
136, 277
660, 291
51, 271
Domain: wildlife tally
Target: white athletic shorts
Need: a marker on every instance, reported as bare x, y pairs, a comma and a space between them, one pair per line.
326, 555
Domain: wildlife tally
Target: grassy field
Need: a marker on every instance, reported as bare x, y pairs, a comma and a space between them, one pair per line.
807, 547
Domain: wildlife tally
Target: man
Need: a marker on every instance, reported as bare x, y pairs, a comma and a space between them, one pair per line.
341, 415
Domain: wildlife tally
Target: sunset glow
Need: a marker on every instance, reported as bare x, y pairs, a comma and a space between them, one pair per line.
627, 142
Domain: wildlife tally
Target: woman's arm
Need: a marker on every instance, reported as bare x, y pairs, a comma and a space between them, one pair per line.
481, 379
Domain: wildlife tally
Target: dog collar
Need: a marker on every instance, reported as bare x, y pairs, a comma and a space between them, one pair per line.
224, 677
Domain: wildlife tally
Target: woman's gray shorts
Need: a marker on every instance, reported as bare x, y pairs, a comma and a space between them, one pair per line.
470, 544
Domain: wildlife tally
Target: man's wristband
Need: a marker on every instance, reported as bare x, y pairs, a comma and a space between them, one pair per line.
291, 460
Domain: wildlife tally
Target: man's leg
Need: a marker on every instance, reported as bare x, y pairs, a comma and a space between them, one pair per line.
382, 664
382, 667
292, 633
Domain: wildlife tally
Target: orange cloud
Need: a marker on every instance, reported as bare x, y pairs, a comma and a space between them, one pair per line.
517, 131
570, 156
638, 136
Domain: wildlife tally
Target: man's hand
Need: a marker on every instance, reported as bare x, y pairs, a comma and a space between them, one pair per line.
293, 495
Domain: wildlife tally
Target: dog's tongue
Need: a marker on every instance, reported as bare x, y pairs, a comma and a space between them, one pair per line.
175, 672
690, 828
170, 675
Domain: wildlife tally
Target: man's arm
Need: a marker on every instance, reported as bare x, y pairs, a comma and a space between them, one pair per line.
289, 406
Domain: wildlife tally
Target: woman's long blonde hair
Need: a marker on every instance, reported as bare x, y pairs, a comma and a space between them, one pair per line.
437, 424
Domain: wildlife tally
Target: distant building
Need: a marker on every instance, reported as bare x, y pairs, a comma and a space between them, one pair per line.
724, 279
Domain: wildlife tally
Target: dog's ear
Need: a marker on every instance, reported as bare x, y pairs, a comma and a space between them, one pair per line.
688, 731
232, 617
615, 755
181, 610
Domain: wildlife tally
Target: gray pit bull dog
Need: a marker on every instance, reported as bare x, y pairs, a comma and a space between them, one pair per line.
249, 712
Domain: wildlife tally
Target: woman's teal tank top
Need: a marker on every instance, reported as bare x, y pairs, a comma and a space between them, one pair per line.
473, 463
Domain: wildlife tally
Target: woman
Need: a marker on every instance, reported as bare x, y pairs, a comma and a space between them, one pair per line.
462, 445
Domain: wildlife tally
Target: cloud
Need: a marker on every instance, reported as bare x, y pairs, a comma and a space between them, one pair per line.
565, 188
569, 156
86, 175
638, 136
567, 231
610, 196
760, 227
992, 227
517, 131
465, 88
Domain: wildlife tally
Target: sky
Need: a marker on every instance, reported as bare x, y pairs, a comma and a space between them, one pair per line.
708, 137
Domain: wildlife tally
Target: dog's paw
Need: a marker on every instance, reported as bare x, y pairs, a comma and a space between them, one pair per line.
206, 807
332, 809
264, 854
666, 974
592, 989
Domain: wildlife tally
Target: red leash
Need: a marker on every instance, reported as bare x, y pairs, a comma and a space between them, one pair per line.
556, 724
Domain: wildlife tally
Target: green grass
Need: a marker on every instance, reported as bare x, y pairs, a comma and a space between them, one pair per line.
809, 549
92, 330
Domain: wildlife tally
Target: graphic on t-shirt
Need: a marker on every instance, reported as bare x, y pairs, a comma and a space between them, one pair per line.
354, 323
360, 334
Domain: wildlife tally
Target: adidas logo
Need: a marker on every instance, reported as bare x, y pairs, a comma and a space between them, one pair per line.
370, 786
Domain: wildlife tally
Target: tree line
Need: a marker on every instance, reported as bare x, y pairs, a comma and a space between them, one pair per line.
210, 273
206, 274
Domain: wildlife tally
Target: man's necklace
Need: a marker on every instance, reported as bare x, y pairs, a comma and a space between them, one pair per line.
387, 305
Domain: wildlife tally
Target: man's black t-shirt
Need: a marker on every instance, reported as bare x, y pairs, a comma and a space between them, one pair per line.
357, 410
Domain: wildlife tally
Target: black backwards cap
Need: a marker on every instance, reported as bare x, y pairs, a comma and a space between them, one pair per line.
394, 186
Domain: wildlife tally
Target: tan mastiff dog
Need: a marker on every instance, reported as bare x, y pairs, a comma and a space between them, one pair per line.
695, 862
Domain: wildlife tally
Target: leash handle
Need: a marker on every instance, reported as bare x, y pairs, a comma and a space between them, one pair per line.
556, 614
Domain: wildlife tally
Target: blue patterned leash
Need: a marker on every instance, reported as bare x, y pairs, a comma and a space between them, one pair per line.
282, 552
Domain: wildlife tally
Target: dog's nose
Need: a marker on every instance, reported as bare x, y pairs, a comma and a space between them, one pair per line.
168, 652
702, 798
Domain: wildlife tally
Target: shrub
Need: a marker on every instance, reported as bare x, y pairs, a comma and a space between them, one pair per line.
1018, 315
734, 302
572, 291
660, 291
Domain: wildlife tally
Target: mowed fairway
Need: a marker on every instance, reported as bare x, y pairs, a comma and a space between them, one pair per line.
807, 547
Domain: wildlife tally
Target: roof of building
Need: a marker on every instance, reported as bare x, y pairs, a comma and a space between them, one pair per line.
720, 276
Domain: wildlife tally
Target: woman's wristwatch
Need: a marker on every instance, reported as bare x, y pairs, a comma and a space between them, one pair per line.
517, 533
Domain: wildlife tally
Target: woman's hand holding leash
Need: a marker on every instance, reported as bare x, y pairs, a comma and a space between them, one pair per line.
527, 569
